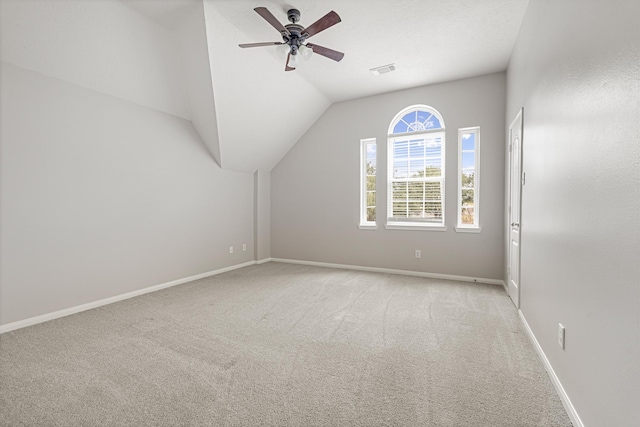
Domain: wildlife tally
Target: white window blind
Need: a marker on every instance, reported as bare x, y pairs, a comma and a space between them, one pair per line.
416, 179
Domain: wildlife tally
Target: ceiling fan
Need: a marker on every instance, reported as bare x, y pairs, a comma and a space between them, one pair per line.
295, 35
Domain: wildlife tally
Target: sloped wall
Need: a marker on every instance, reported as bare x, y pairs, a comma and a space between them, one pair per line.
100, 45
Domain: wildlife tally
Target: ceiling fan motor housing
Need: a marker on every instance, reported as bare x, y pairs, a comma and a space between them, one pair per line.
295, 37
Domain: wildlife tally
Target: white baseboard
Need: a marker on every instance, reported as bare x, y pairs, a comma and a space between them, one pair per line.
88, 306
393, 271
264, 260
566, 402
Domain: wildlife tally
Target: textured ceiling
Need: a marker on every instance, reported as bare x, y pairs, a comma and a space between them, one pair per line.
262, 110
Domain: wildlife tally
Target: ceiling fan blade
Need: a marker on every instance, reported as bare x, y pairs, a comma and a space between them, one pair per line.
268, 16
322, 24
286, 64
259, 44
325, 51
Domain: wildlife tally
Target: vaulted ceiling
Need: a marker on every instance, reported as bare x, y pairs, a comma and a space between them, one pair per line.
246, 108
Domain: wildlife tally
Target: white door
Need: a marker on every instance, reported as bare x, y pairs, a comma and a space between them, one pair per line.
515, 191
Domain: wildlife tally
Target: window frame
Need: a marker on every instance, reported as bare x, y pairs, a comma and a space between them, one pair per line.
475, 227
364, 224
392, 138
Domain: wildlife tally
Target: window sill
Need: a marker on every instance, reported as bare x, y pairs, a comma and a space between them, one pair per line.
413, 227
468, 229
367, 226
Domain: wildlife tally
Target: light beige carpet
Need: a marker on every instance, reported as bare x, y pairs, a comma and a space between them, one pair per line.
283, 345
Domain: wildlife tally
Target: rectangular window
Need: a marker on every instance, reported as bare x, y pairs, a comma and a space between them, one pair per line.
368, 183
468, 179
416, 181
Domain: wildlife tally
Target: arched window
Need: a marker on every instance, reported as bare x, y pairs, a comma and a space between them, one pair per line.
416, 159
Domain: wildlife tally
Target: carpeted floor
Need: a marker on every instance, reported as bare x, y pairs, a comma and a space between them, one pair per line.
283, 345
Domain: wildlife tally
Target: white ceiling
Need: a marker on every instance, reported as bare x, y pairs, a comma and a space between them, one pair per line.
429, 41
263, 110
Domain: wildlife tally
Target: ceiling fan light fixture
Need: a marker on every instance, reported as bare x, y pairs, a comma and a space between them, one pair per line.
305, 51
283, 49
293, 61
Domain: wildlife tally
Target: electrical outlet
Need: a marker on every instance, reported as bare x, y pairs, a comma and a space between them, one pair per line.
418, 253
244, 247
561, 333
230, 249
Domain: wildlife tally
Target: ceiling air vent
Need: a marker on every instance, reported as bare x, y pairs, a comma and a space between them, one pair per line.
383, 69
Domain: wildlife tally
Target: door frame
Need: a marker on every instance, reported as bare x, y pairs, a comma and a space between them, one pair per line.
519, 117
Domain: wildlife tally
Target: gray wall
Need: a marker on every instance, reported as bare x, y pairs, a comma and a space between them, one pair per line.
315, 187
100, 196
262, 215
576, 71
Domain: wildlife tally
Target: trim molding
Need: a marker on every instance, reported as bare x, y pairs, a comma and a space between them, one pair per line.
393, 271
566, 402
263, 261
88, 306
